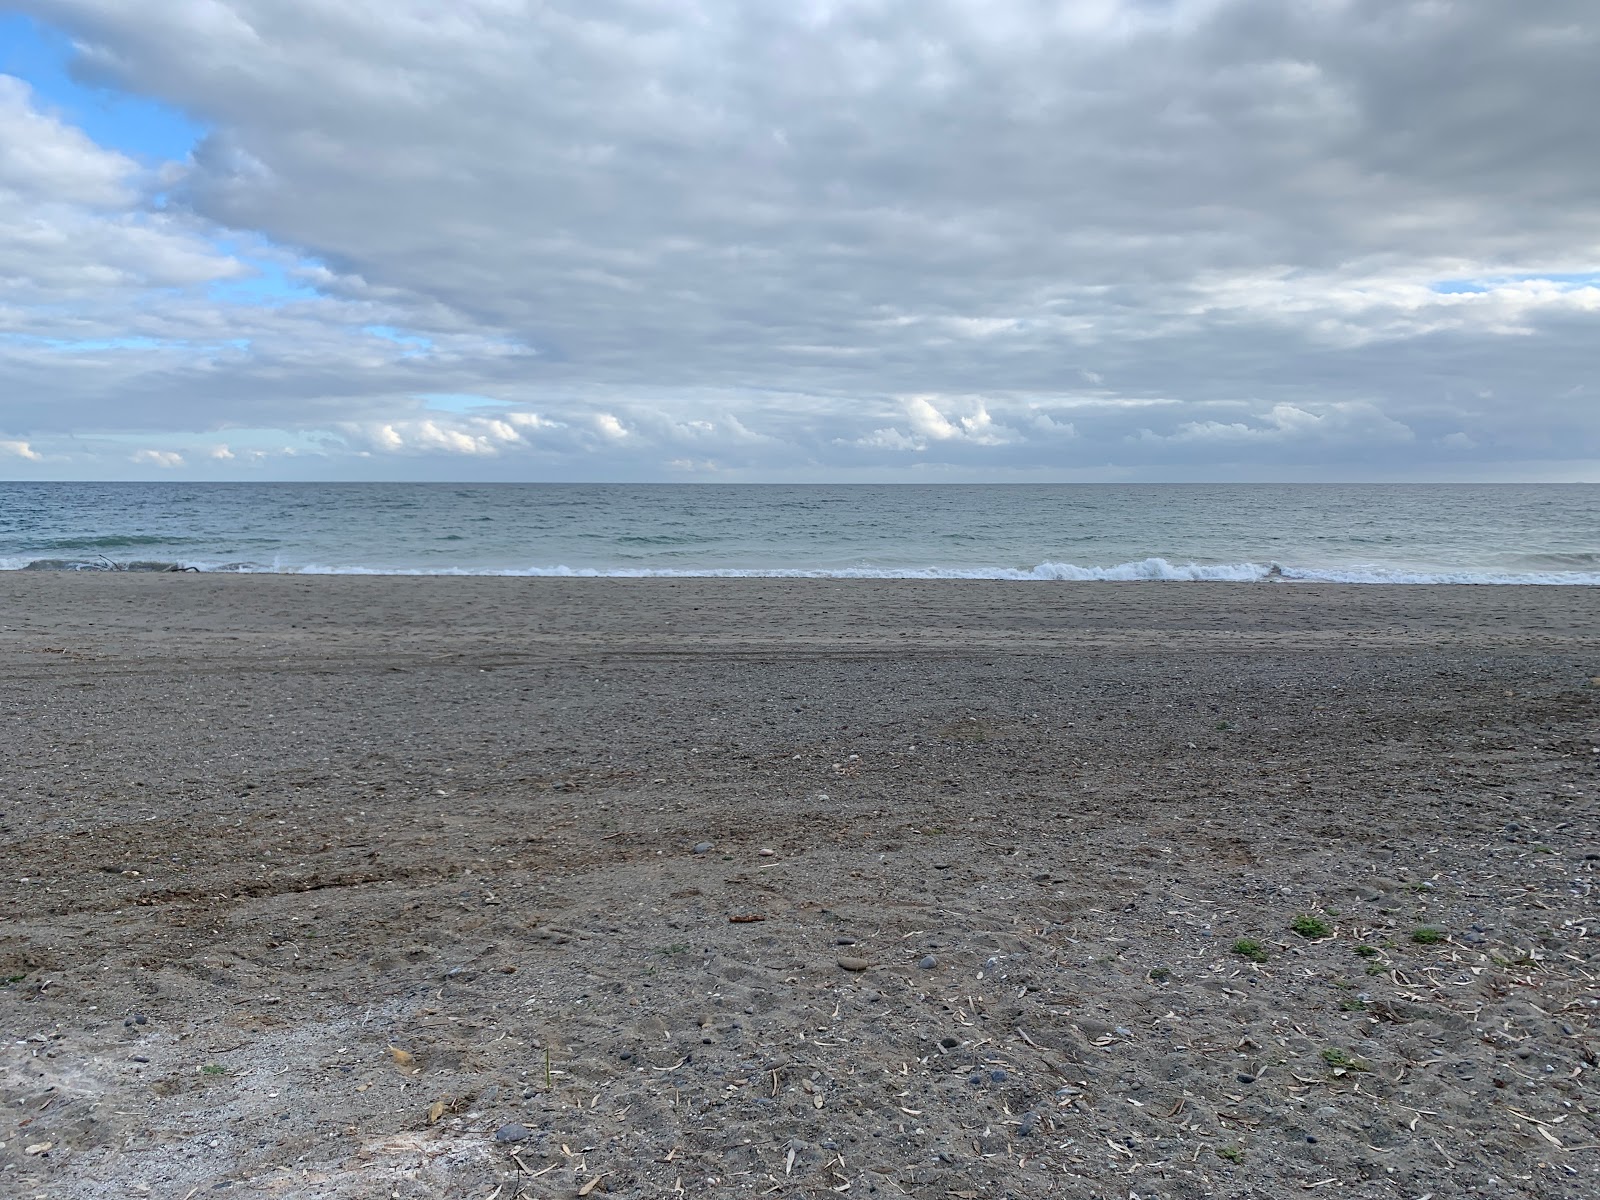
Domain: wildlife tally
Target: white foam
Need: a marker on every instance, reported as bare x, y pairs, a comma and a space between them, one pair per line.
1143, 570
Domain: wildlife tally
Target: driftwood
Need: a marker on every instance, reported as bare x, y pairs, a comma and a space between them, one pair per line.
163, 568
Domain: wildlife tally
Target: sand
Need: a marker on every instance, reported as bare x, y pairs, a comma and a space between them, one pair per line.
384, 887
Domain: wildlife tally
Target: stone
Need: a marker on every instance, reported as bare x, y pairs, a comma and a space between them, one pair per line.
512, 1131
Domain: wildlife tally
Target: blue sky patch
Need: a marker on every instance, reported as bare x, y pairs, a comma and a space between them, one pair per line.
1564, 280
140, 128
458, 402
271, 285
414, 344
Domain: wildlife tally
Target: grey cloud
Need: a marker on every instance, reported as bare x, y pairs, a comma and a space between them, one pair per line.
795, 221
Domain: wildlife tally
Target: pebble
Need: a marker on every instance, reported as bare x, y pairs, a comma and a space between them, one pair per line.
704, 848
928, 962
511, 1131
854, 964
39, 1148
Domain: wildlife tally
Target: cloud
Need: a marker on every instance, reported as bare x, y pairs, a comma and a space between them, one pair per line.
44, 159
448, 434
1349, 422
808, 237
167, 459
20, 450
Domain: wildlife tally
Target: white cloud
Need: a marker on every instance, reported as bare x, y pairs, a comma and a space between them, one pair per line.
1347, 422
20, 450
43, 159
928, 421
167, 459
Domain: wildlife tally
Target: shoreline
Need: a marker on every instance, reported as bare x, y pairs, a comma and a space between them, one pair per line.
334, 886
1146, 571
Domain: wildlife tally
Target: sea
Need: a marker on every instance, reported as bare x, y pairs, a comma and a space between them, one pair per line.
1366, 533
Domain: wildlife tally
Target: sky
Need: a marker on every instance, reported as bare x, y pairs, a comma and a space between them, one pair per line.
832, 240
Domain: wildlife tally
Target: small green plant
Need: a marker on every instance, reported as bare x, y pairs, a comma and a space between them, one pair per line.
675, 948
1352, 1004
10, 979
1234, 1154
1342, 1060
1427, 936
1251, 949
1367, 951
1311, 927
213, 1069
1376, 968
1224, 726
1160, 974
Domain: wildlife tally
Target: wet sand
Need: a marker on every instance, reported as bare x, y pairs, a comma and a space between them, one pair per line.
348, 887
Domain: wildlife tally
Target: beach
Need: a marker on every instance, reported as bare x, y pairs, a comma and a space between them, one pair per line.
350, 886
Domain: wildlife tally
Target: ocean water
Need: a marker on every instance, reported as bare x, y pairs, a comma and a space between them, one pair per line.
1546, 534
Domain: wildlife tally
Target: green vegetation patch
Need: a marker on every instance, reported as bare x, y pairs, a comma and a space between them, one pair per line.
1308, 926
1251, 949
1343, 1060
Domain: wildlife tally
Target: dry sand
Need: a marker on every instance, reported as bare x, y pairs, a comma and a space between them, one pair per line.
362, 887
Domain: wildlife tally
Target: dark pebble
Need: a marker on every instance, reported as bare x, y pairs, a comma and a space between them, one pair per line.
998, 1075
975, 1078
512, 1132
1245, 1078
928, 962
704, 848
949, 1043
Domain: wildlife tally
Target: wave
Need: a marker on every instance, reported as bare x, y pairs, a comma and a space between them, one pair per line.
1142, 570
1568, 561
110, 541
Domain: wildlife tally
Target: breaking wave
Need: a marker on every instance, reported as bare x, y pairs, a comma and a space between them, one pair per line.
1143, 570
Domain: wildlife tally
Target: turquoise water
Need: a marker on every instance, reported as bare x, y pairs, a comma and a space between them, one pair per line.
1357, 533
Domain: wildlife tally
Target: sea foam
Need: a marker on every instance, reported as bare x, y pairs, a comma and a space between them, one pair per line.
1143, 570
